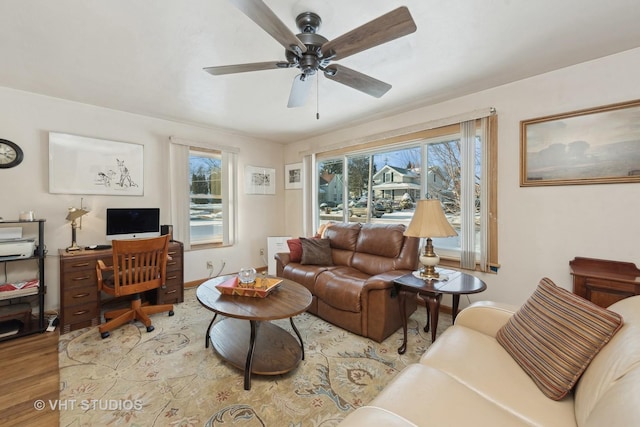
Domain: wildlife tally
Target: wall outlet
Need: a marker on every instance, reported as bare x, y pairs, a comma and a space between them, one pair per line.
261, 251
210, 265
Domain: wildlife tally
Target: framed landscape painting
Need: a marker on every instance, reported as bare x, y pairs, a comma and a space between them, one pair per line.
593, 146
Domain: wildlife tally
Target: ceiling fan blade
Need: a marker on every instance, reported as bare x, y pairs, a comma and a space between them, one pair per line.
299, 91
390, 26
357, 80
260, 13
243, 68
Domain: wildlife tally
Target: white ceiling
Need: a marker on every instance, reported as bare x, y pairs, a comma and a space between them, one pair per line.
146, 56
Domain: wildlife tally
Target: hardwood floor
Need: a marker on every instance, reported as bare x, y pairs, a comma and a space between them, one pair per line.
29, 374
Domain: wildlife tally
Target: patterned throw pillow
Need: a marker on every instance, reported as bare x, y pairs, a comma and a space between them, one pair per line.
316, 251
555, 335
295, 250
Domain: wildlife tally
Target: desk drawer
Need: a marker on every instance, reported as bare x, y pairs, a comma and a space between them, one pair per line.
169, 295
174, 264
175, 253
80, 316
83, 264
80, 278
173, 291
80, 295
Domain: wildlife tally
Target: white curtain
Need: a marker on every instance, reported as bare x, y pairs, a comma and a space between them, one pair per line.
467, 196
484, 194
308, 190
469, 199
230, 195
179, 192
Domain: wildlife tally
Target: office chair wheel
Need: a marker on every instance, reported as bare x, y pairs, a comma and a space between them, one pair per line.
171, 313
150, 328
105, 335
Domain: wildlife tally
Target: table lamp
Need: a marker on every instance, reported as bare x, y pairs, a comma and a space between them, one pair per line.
73, 215
429, 221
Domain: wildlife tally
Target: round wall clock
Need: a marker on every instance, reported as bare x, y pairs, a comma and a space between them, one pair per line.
10, 154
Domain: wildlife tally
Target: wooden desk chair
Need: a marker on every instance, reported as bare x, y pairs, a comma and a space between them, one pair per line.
139, 265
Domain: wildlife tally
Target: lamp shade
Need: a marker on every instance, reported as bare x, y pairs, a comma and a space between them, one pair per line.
75, 214
429, 221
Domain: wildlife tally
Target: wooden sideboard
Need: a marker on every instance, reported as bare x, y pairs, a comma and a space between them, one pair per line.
80, 301
604, 282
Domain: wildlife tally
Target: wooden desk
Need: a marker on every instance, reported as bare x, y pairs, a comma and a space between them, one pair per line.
456, 284
80, 302
604, 282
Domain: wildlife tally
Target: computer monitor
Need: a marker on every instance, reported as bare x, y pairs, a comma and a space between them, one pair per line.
132, 223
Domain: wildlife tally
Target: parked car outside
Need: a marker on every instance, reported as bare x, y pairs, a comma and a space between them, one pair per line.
360, 209
387, 204
328, 206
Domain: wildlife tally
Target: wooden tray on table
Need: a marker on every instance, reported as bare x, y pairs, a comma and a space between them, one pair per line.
260, 288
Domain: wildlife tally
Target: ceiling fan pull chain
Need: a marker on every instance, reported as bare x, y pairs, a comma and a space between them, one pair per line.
317, 96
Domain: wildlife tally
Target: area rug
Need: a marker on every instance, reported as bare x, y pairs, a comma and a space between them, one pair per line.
168, 378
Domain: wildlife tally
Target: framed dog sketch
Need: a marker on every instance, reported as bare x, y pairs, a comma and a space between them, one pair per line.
259, 180
293, 176
82, 165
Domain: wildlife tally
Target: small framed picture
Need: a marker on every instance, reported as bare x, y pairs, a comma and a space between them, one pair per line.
259, 180
293, 176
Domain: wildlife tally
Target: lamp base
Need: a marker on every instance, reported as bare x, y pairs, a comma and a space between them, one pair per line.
419, 274
429, 259
429, 273
74, 247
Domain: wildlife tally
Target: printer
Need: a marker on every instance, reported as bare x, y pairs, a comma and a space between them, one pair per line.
17, 248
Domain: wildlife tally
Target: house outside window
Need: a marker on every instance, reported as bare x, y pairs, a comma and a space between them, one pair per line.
382, 185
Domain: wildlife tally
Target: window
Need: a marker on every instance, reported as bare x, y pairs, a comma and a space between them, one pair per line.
381, 183
203, 194
205, 197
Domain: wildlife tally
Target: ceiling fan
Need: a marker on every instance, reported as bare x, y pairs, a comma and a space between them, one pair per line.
310, 52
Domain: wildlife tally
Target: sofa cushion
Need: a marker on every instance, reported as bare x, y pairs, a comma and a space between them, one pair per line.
385, 240
295, 250
305, 275
374, 416
477, 361
426, 396
343, 235
554, 336
607, 393
316, 252
342, 288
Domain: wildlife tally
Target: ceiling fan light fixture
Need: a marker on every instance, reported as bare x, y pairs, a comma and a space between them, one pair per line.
311, 52
308, 64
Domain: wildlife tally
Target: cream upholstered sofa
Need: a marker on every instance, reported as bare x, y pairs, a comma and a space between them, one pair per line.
467, 378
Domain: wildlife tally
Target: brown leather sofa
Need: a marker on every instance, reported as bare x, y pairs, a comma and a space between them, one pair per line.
357, 292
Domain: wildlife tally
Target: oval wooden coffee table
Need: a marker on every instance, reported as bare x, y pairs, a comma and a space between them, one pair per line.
237, 340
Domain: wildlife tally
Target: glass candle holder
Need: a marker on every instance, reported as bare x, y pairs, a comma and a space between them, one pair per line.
247, 275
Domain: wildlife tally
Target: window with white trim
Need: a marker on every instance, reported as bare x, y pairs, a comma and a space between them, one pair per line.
203, 192
380, 182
